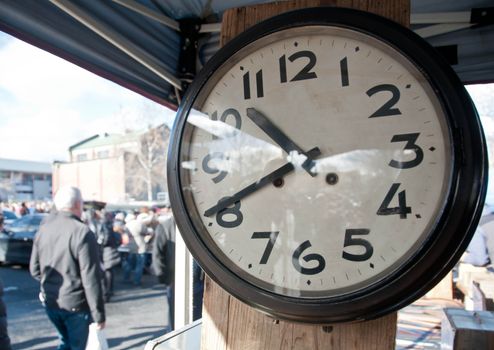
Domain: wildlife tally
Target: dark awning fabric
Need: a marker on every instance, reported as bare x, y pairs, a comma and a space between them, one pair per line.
43, 24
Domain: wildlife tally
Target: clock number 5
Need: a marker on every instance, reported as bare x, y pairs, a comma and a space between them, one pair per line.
410, 139
321, 263
272, 236
401, 209
224, 221
359, 242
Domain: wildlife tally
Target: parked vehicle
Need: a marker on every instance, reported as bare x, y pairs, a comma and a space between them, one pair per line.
16, 243
9, 217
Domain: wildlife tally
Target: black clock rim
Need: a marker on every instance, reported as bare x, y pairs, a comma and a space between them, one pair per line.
453, 231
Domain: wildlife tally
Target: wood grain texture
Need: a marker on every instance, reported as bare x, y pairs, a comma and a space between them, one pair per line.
237, 20
229, 324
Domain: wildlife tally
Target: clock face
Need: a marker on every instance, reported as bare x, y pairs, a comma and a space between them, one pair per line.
371, 194
315, 170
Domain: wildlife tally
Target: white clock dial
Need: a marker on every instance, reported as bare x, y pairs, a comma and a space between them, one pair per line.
364, 154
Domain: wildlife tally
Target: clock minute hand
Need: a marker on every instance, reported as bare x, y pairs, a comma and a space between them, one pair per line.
279, 137
281, 171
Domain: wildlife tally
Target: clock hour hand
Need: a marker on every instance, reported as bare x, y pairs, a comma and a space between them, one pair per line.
279, 137
265, 180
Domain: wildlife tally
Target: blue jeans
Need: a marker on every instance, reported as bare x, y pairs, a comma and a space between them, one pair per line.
72, 327
134, 262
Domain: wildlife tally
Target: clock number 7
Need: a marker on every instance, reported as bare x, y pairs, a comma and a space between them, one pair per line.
401, 209
272, 236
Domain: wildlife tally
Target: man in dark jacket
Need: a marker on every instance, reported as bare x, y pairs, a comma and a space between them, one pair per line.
65, 260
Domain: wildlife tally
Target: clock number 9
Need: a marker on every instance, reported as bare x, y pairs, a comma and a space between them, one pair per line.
229, 112
412, 146
213, 170
232, 211
321, 263
350, 241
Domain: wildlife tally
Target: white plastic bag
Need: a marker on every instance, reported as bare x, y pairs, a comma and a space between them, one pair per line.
96, 339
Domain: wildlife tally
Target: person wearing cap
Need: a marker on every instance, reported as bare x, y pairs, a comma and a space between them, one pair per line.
65, 260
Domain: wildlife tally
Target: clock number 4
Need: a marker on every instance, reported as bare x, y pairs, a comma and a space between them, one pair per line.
401, 209
271, 236
321, 263
305, 73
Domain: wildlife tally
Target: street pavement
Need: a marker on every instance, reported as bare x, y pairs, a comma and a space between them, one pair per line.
133, 316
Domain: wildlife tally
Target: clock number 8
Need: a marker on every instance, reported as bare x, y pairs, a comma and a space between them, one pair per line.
231, 211
321, 263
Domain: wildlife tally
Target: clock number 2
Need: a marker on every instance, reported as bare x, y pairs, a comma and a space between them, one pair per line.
321, 263
386, 109
234, 211
305, 72
271, 236
401, 209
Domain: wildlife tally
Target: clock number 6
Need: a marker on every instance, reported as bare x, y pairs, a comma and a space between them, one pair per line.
272, 236
412, 146
350, 241
321, 263
235, 211
401, 209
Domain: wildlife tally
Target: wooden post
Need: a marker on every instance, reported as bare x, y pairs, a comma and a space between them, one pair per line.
229, 324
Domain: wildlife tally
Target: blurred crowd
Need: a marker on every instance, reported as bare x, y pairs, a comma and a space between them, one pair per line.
24, 208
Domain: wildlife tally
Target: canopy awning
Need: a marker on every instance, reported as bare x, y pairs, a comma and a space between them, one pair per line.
138, 43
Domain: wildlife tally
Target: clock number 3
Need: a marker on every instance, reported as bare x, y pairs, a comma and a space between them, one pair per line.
401, 209
410, 139
224, 216
321, 263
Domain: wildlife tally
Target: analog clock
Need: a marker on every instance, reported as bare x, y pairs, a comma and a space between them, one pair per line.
327, 165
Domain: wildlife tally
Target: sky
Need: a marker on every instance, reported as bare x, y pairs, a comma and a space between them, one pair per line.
48, 104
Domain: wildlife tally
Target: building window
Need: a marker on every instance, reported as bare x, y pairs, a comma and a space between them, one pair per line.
103, 154
81, 157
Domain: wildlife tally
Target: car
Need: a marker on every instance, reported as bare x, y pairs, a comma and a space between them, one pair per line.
8, 217
16, 242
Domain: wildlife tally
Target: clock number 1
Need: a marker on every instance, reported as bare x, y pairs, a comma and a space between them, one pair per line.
271, 236
321, 263
401, 209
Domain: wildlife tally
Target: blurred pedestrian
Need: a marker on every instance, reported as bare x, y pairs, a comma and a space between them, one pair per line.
4, 336
109, 242
134, 263
65, 260
164, 262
